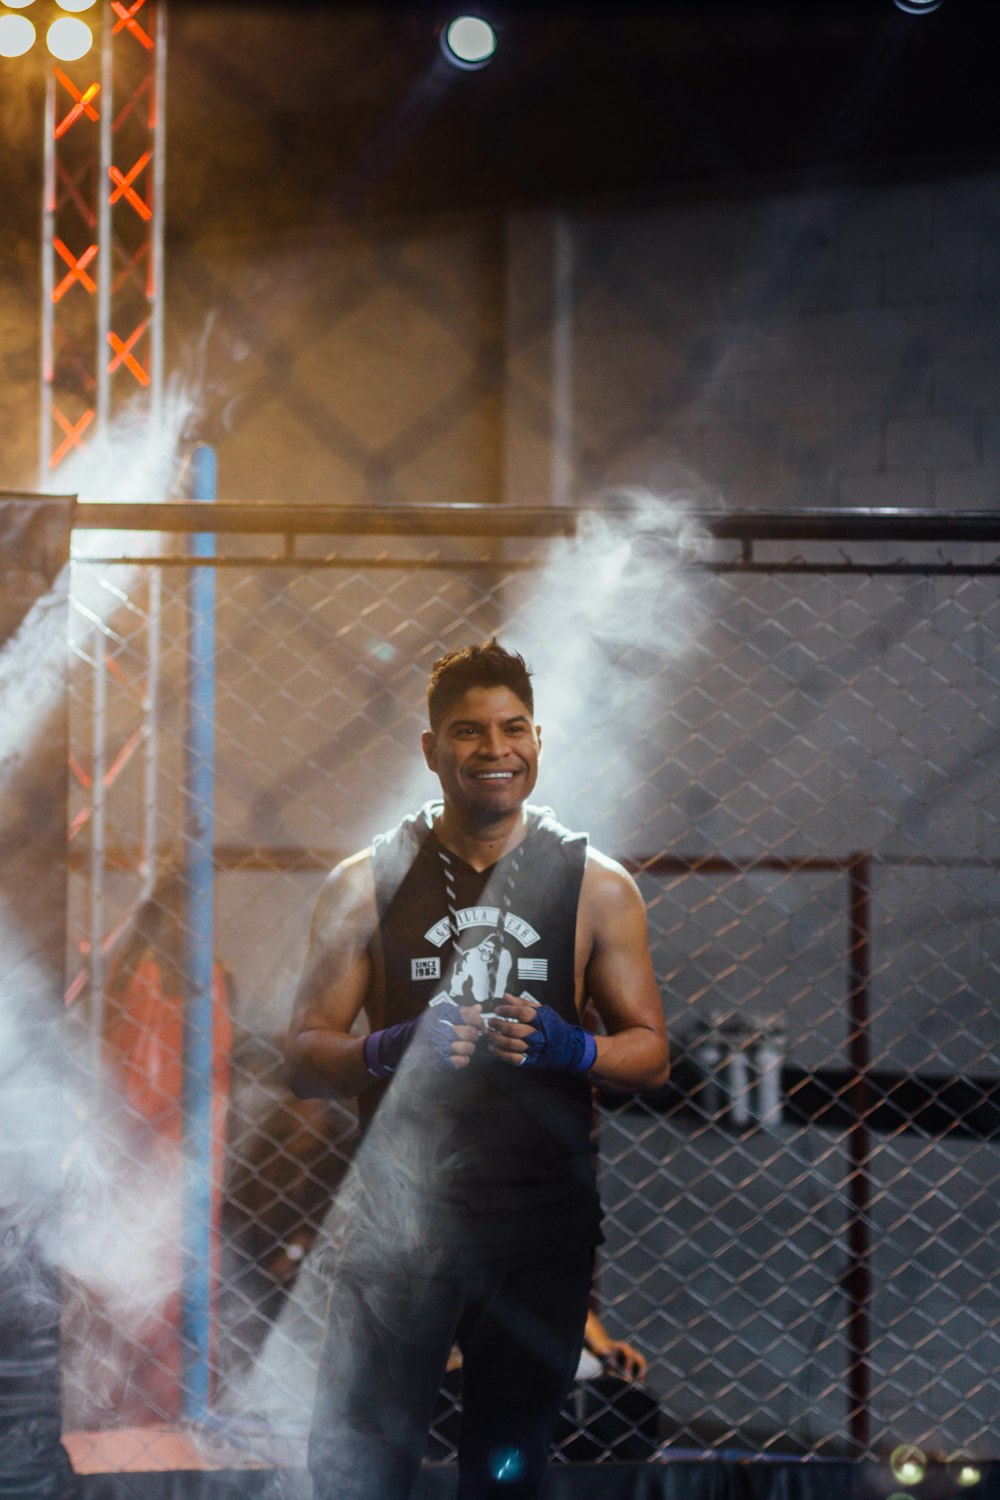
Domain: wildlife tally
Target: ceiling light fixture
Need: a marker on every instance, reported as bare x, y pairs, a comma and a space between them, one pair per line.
468, 42
69, 39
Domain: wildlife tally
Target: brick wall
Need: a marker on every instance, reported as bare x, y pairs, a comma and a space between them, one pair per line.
791, 348
774, 347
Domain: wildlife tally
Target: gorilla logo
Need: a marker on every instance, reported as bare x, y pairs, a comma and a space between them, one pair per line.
481, 973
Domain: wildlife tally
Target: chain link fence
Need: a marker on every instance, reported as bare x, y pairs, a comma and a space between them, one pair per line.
794, 748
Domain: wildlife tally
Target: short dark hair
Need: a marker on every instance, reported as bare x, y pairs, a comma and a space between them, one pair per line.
476, 666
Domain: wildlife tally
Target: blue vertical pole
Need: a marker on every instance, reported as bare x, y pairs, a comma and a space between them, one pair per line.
199, 946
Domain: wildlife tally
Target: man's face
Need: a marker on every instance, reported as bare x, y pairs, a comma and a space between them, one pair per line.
485, 752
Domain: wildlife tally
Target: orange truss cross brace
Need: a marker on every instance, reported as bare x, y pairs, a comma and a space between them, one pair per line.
72, 194
124, 355
77, 269
71, 357
126, 18
74, 433
82, 106
144, 90
130, 269
124, 186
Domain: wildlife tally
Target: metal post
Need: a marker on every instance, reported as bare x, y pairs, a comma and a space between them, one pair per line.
158, 130
562, 363
859, 1279
48, 284
199, 776
105, 233
151, 705
98, 832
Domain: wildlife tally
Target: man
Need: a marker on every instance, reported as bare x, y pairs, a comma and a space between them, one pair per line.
472, 937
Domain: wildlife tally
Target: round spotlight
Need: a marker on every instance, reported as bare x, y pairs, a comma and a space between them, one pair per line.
968, 1475
76, 5
917, 7
468, 42
69, 39
908, 1464
16, 35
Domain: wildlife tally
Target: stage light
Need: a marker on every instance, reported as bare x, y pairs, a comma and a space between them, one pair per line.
908, 1464
68, 39
16, 35
917, 7
76, 5
468, 42
967, 1475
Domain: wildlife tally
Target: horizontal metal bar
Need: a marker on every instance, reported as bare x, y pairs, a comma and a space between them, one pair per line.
231, 857
859, 569
289, 857
298, 563
508, 565
459, 520
264, 517
721, 864
247, 857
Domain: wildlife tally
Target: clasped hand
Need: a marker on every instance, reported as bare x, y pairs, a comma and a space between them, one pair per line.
509, 1027
520, 1032
456, 1031
525, 1034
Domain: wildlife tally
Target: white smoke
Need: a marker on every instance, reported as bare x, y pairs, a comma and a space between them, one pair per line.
76, 1182
607, 622
137, 457
605, 625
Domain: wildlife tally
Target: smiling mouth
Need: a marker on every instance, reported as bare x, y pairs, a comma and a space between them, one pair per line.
493, 775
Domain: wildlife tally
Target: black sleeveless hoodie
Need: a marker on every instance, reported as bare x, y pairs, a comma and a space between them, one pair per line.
515, 1181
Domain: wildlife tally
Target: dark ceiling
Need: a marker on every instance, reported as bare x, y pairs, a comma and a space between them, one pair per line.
281, 112
352, 108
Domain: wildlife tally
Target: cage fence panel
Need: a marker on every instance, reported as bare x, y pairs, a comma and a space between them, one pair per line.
801, 769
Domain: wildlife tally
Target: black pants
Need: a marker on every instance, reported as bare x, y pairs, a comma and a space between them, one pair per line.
386, 1348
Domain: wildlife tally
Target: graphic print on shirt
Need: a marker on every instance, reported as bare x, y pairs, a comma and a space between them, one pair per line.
481, 973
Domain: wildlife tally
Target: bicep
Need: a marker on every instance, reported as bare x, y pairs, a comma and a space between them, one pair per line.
336, 976
620, 980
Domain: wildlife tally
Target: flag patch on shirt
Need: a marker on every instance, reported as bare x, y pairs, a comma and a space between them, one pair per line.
532, 968
425, 968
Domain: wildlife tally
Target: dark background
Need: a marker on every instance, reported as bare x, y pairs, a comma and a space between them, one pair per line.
356, 106
295, 111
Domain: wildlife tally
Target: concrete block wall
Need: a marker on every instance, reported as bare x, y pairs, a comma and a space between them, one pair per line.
774, 346
791, 348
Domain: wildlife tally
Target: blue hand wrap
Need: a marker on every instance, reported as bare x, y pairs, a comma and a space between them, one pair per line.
435, 1030
557, 1044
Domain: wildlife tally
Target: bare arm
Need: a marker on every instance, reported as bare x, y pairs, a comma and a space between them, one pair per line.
620, 981
631, 1362
324, 1060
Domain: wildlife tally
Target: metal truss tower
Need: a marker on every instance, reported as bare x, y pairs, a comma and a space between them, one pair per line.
102, 234
102, 355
